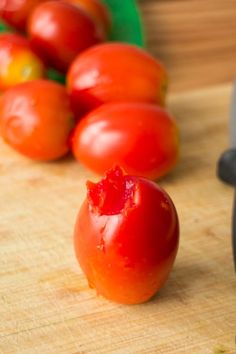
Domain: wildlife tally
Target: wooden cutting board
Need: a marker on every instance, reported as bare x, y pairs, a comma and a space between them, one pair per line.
45, 303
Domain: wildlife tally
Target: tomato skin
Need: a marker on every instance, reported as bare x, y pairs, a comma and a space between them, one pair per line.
97, 10
18, 63
36, 120
142, 138
59, 31
115, 72
16, 12
126, 255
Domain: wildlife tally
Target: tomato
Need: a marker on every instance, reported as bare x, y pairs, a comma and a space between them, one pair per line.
142, 138
36, 120
115, 72
59, 31
18, 63
97, 10
126, 237
16, 12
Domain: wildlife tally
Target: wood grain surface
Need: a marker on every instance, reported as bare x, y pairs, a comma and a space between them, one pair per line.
196, 39
45, 303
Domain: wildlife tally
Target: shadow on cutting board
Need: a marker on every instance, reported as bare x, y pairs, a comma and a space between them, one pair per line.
181, 283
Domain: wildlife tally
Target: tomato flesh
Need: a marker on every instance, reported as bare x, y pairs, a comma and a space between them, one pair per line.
126, 237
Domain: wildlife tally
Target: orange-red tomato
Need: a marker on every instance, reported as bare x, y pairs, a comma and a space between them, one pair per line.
35, 119
59, 31
115, 72
126, 237
97, 10
16, 12
142, 138
18, 63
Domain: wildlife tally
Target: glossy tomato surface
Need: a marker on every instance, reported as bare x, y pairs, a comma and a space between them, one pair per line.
97, 10
142, 138
115, 72
59, 31
18, 63
126, 237
16, 12
35, 119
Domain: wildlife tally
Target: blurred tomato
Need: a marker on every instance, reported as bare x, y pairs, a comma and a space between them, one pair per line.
126, 237
97, 10
59, 31
142, 138
16, 12
115, 72
36, 120
18, 63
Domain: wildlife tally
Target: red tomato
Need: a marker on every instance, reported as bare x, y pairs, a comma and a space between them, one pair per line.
126, 237
16, 12
115, 72
140, 137
97, 10
18, 63
36, 120
59, 31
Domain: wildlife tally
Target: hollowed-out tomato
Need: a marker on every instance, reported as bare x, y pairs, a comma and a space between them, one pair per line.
115, 72
142, 138
126, 237
36, 120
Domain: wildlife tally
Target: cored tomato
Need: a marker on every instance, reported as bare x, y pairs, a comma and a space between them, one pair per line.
36, 120
18, 63
59, 31
142, 138
115, 72
16, 12
97, 10
126, 237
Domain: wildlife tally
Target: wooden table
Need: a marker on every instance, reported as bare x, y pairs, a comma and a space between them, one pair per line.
45, 303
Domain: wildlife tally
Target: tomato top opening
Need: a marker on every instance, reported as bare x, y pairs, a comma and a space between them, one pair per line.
114, 194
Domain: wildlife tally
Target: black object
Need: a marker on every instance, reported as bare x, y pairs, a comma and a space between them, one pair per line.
227, 173
227, 167
234, 231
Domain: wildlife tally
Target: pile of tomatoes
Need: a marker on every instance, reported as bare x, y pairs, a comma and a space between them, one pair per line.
111, 112
111, 109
